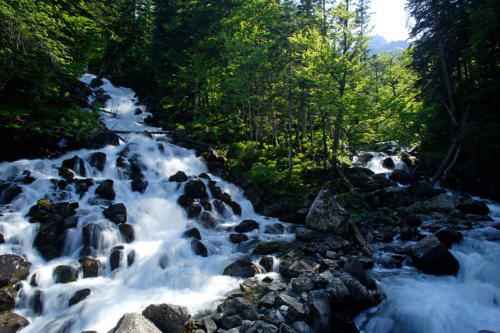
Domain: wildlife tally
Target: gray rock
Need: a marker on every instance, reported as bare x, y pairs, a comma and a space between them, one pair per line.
267, 263
79, 296
64, 274
307, 235
301, 327
76, 164
228, 322
168, 317
127, 232
302, 284
115, 258
208, 325
7, 299
11, 322
327, 215
321, 311
90, 267
448, 236
241, 268
192, 233
432, 257
257, 327
268, 300
296, 310
13, 269
238, 238
267, 247
98, 160
442, 203
135, 323
246, 226
469, 206
116, 213
234, 306
105, 190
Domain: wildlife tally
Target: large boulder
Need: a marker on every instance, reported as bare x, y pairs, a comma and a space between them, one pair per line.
167, 317
241, 268
127, 232
196, 189
116, 213
246, 226
448, 236
90, 267
179, 177
403, 177
98, 160
327, 215
134, 323
13, 269
320, 308
432, 257
105, 190
442, 203
476, 207
388, 163
11, 322
7, 298
76, 164
64, 274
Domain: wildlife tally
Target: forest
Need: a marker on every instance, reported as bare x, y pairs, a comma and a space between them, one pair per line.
287, 90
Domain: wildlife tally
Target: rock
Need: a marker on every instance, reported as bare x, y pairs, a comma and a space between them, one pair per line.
13, 269
337, 243
296, 310
179, 177
38, 302
65, 174
76, 164
321, 311
363, 159
469, 206
241, 268
167, 317
199, 248
115, 258
98, 160
238, 238
432, 257
139, 185
127, 232
49, 241
354, 267
275, 228
409, 234
219, 206
105, 190
267, 262
8, 192
11, 322
395, 196
116, 213
448, 236
195, 189
235, 207
249, 326
228, 322
205, 203
90, 267
208, 325
346, 292
64, 274
388, 163
208, 220
82, 186
442, 203
192, 233
134, 323
302, 284
215, 190
267, 247
246, 226
131, 258
291, 267
403, 177
422, 190
79, 296
99, 137
234, 306
308, 235
301, 327
7, 298
326, 214
163, 261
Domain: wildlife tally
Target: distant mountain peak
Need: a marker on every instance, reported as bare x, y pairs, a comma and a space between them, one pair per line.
379, 44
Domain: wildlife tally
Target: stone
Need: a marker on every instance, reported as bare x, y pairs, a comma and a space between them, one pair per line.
321, 311
11, 322
327, 215
422, 190
228, 322
246, 226
65, 174
205, 203
402, 177
98, 160
38, 302
354, 267
302, 284
249, 326
448, 236
442, 203
90, 267
179, 177
234, 306
215, 190
192, 233
105, 190
13, 269
79, 296
7, 298
199, 248
9, 192
167, 317
476, 207
294, 267
235, 207
127, 232
276, 228
267, 247
295, 311
308, 235
115, 258
76, 164
64, 274
388, 163
208, 220
238, 238
131, 258
241, 268
208, 325
219, 206
267, 263
116, 213
82, 186
139, 185
135, 323
432, 257
195, 189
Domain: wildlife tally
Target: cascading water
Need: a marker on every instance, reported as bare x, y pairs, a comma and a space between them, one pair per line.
416, 302
159, 266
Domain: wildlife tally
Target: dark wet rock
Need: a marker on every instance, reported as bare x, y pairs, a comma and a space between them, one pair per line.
205, 203
116, 213
442, 203
476, 207
37, 302
82, 185
249, 326
302, 284
11, 322
409, 234
402, 177
384, 235
105, 190
337, 243
49, 241
321, 311
163, 261
66, 174
131, 258
395, 196
214, 159
411, 220
229, 322
215, 190
388, 163
139, 185
235, 207
267, 263
45, 211
208, 220
90, 267
207, 325
79, 296
134, 323
275, 229
308, 235
192, 233
432, 257
196, 189
448, 236
246, 226
7, 298
76, 164
13, 269
167, 317
292, 267
267, 247
2, 239
179, 177
199, 248
185, 201
64, 274
194, 210
354, 267
204, 176
364, 158
348, 294
234, 306
115, 258
91, 234
327, 215
295, 311
219, 206
98, 160
241, 268
127, 232
422, 190
99, 137
238, 238
9, 192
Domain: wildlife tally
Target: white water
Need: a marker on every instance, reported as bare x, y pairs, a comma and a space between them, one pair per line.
158, 222
420, 303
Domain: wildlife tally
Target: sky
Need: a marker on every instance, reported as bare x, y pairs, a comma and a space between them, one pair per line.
388, 19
